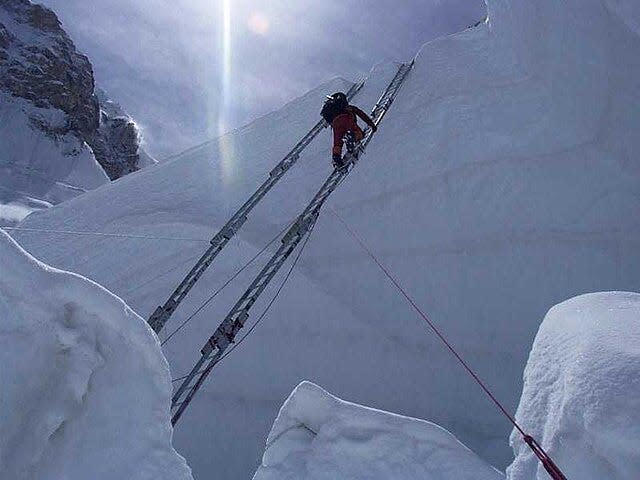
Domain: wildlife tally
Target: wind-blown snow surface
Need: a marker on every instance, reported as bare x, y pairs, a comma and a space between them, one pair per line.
85, 388
318, 436
581, 395
504, 180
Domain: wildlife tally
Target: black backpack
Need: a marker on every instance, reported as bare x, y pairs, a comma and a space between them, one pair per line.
333, 106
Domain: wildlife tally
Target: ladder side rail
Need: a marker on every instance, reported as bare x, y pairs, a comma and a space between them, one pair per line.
239, 313
380, 109
235, 320
260, 283
308, 216
225, 234
193, 389
162, 313
282, 167
226, 332
224, 335
184, 385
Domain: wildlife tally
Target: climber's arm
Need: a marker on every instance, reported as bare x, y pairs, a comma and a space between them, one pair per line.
365, 118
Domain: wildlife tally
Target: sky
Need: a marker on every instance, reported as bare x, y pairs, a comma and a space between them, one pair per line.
189, 70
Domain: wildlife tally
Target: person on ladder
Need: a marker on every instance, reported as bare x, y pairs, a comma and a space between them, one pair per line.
343, 120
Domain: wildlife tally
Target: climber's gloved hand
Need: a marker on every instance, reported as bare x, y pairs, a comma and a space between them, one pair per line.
337, 158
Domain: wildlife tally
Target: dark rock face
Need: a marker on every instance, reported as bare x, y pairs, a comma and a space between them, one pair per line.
43, 19
5, 37
115, 139
39, 62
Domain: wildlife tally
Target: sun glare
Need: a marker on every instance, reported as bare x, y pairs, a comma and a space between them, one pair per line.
258, 23
226, 148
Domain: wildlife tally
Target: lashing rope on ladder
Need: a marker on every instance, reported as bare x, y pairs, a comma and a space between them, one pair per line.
546, 461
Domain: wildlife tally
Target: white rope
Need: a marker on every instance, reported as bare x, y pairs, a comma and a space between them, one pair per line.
102, 234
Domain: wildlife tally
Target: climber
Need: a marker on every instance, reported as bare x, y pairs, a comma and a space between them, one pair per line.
343, 120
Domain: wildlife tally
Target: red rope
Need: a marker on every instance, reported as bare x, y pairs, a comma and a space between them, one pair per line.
552, 469
547, 462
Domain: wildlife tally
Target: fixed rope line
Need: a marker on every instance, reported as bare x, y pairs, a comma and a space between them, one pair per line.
224, 285
163, 274
29, 171
224, 336
180, 378
267, 308
544, 458
161, 315
194, 380
102, 234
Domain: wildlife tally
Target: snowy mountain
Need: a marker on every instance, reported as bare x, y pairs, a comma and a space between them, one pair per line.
58, 138
85, 386
504, 180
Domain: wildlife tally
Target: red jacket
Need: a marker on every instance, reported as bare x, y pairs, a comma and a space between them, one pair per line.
347, 122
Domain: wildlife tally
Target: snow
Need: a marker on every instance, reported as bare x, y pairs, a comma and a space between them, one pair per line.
15, 211
43, 160
318, 436
581, 396
37, 170
503, 180
85, 389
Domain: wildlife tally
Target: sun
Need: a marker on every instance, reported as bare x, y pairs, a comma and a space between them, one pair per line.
258, 23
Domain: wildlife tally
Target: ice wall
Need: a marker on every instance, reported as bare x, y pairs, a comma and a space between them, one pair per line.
84, 387
581, 396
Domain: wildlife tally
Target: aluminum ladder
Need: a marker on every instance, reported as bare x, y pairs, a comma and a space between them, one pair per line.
235, 320
161, 315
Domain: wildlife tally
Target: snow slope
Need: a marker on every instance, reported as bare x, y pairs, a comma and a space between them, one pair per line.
318, 436
503, 180
58, 139
43, 161
85, 388
581, 395
37, 170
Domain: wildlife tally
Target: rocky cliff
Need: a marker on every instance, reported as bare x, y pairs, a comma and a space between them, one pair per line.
40, 64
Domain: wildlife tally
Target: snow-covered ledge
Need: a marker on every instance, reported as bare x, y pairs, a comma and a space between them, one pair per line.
318, 436
581, 396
